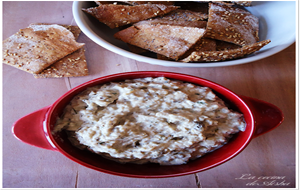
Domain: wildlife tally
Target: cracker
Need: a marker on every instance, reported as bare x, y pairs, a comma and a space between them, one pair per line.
201, 7
232, 3
38, 46
149, 2
179, 17
244, 3
232, 25
221, 45
170, 41
204, 44
73, 65
120, 15
74, 29
210, 56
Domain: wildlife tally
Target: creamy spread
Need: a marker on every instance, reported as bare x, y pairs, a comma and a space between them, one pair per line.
150, 120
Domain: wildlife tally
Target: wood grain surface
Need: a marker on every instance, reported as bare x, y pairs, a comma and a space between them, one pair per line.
268, 161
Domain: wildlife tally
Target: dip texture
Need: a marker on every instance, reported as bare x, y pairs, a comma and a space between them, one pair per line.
150, 120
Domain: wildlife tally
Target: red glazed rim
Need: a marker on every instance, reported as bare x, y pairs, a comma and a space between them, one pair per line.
96, 162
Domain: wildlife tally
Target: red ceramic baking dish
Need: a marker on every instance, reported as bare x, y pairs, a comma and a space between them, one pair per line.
260, 117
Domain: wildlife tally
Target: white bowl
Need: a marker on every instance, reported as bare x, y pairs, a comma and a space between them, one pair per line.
277, 23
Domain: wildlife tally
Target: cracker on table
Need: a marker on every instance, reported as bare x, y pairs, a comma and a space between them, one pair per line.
167, 40
178, 17
211, 56
115, 16
232, 25
73, 65
38, 46
74, 29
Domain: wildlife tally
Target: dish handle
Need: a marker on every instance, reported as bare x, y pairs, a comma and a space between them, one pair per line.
266, 115
30, 129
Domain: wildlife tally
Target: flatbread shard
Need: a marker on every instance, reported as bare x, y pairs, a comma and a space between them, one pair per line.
232, 24
120, 15
73, 65
179, 17
170, 41
211, 56
74, 29
38, 46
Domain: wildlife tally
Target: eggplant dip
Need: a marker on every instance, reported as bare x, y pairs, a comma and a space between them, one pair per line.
154, 120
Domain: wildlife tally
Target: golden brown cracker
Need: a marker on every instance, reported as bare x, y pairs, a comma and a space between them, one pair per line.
211, 56
170, 41
38, 46
119, 15
73, 65
232, 25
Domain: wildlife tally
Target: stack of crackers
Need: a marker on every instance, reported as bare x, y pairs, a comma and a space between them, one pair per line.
183, 31
46, 50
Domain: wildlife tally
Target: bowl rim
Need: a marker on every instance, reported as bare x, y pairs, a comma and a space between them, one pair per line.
78, 16
158, 73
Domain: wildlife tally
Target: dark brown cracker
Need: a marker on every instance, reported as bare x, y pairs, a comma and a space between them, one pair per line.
38, 46
201, 7
204, 44
210, 56
231, 24
170, 41
179, 17
73, 65
119, 15
221, 45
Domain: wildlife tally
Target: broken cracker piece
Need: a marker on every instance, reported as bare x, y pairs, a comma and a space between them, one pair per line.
38, 46
211, 56
73, 65
232, 25
115, 16
170, 41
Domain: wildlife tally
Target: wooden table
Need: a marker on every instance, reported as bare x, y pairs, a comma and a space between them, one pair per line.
271, 79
